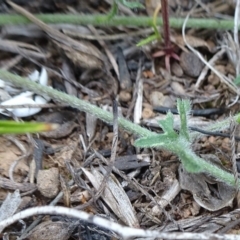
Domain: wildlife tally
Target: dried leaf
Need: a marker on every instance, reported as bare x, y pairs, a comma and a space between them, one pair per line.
66, 191
209, 192
80, 57
193, 41
114, 196
24, 49
10, 205
81, 53
51, 230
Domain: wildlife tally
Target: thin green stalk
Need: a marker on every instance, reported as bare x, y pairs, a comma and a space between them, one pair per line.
73, 102
189, 159
102, 20
193, 163
180, 145
217, 126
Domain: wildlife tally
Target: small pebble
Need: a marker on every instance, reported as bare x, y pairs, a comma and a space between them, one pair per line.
186, 213
147, 113
124, 96
195, 208
178, 88
168, 102
191, 64
156, 98
176, 69
48, 182
212, 139
148, 74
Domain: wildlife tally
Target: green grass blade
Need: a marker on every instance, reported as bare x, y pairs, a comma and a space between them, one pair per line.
9, 127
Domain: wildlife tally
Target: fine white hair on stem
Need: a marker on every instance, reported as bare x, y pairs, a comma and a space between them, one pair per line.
223, 78
125, 232
235, 34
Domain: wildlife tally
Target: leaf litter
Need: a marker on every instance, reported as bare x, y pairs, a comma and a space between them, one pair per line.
148, 189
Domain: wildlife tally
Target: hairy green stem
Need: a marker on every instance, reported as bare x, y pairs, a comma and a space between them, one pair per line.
217, 126
180, 148
103, 20
193, 163
73, 102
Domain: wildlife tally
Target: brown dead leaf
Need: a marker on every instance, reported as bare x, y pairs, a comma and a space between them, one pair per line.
24, 49
201, 186
193, 41
114, 196
81, 58
81, 53
66, 191
50, 230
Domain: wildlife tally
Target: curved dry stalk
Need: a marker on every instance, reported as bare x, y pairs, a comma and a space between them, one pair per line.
223, 78
125, 232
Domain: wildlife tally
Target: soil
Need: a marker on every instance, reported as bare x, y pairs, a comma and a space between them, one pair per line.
76, 154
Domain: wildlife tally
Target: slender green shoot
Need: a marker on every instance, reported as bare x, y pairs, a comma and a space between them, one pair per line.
9, 127
179, 144
156, 35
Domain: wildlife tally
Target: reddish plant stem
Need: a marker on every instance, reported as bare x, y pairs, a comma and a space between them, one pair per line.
166, 28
